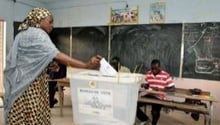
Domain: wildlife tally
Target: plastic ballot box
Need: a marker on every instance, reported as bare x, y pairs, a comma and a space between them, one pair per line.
104, 100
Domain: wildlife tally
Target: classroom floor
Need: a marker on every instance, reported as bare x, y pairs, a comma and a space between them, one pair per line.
171, 118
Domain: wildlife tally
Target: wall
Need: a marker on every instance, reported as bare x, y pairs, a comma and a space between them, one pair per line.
8, 16
10, 12
96, 12
86, 13
90, 13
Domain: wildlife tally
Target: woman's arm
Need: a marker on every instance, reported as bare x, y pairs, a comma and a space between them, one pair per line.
93, 63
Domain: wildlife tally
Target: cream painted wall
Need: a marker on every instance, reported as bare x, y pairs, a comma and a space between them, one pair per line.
7, 14
22, 7
14, 11
96, 12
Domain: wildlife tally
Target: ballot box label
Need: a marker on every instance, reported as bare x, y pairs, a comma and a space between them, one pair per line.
97, 102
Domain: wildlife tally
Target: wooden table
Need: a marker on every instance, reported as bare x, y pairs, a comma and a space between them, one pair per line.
64, 82
185, 94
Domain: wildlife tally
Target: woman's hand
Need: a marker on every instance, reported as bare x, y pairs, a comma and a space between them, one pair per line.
94, 62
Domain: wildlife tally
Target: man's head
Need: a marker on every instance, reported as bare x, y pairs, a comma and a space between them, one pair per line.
115, 62
155, 66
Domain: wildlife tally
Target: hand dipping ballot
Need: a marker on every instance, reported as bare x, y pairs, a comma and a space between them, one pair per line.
106, 69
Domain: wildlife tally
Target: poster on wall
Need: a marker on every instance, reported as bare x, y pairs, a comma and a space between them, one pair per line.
126, 15
157, 12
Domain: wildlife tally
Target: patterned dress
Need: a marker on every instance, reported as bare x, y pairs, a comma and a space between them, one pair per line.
32, 108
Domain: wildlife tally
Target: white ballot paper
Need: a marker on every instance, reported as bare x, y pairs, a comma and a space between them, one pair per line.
106, 68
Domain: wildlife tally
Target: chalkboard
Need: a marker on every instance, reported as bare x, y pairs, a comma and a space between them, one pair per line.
89, 41
202, 51
61, 38
140, 44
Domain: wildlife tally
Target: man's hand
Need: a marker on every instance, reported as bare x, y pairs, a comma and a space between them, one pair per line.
144, 85
170, 89
54, 67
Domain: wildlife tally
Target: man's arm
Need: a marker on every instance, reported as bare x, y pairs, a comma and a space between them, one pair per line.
170, 85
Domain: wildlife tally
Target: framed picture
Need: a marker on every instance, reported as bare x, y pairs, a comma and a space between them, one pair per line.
157, 12
124, 16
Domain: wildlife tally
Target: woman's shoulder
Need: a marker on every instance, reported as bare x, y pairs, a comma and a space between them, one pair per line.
36, 31
32, 31
31, 34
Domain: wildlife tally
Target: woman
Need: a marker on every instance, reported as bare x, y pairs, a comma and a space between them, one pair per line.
25, 79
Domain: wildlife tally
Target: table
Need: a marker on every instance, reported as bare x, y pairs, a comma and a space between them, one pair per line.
63, 82
185, 94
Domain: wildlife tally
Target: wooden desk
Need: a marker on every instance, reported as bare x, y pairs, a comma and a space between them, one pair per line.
64, 82
185, 94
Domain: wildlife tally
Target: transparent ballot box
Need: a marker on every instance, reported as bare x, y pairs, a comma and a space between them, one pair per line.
104, 100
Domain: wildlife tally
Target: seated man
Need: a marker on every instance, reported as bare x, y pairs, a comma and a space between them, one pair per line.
116, 64
159, 80
55, 71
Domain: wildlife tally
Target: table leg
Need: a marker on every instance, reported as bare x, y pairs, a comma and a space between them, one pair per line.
61, 94
211, 112
206, 117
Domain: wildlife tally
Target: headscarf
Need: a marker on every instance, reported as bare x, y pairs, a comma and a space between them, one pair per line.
33, 18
